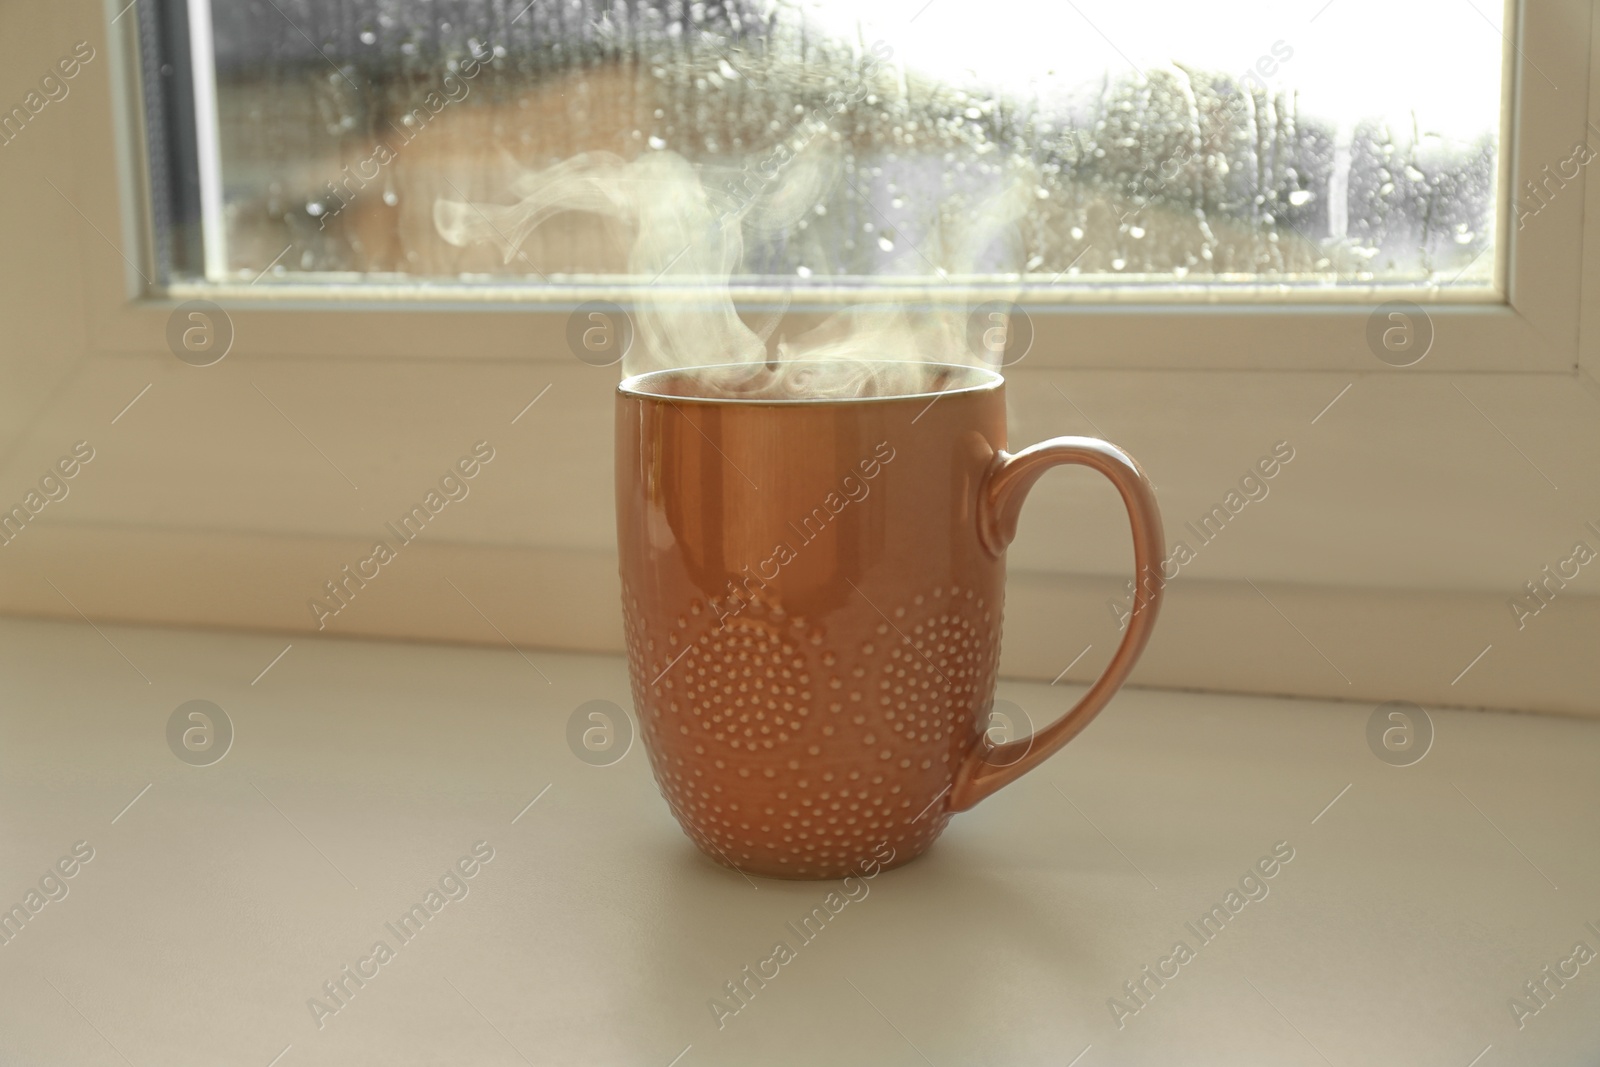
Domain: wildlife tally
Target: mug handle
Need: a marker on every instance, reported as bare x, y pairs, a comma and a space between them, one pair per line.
1000, 497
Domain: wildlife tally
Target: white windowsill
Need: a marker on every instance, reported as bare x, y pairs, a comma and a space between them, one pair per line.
224, 897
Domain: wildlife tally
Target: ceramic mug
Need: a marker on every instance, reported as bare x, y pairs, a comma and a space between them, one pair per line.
812, 595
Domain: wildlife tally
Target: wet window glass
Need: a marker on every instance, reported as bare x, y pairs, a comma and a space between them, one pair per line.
1273, 147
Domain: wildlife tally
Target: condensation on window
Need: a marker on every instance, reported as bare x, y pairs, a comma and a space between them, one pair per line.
343, 122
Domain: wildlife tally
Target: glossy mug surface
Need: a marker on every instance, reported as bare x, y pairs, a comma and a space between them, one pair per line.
812, 595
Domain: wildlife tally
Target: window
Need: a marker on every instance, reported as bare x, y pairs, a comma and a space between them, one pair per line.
245, 114
1423, 484
1058, 149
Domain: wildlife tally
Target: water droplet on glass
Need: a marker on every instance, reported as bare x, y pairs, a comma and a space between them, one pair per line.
657, 143
886, 244
1136, 232
1465, 238
1118, 264
804, 272
391, 197
1077, 233
1414, 174
315, 209
1300, 197
368, 37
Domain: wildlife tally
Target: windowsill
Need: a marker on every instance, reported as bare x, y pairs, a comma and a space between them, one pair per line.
224, 897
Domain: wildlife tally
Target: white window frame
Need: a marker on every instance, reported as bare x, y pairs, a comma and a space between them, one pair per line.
1533, 328
548, 576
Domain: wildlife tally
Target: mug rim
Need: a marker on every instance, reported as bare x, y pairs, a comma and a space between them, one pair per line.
634, 386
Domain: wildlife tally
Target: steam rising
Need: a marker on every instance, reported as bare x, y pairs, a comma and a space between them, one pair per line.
689, 240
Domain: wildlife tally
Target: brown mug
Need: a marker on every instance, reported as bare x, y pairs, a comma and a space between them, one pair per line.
812, 593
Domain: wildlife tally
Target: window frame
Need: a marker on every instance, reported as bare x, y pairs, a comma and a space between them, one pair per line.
1533, 328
